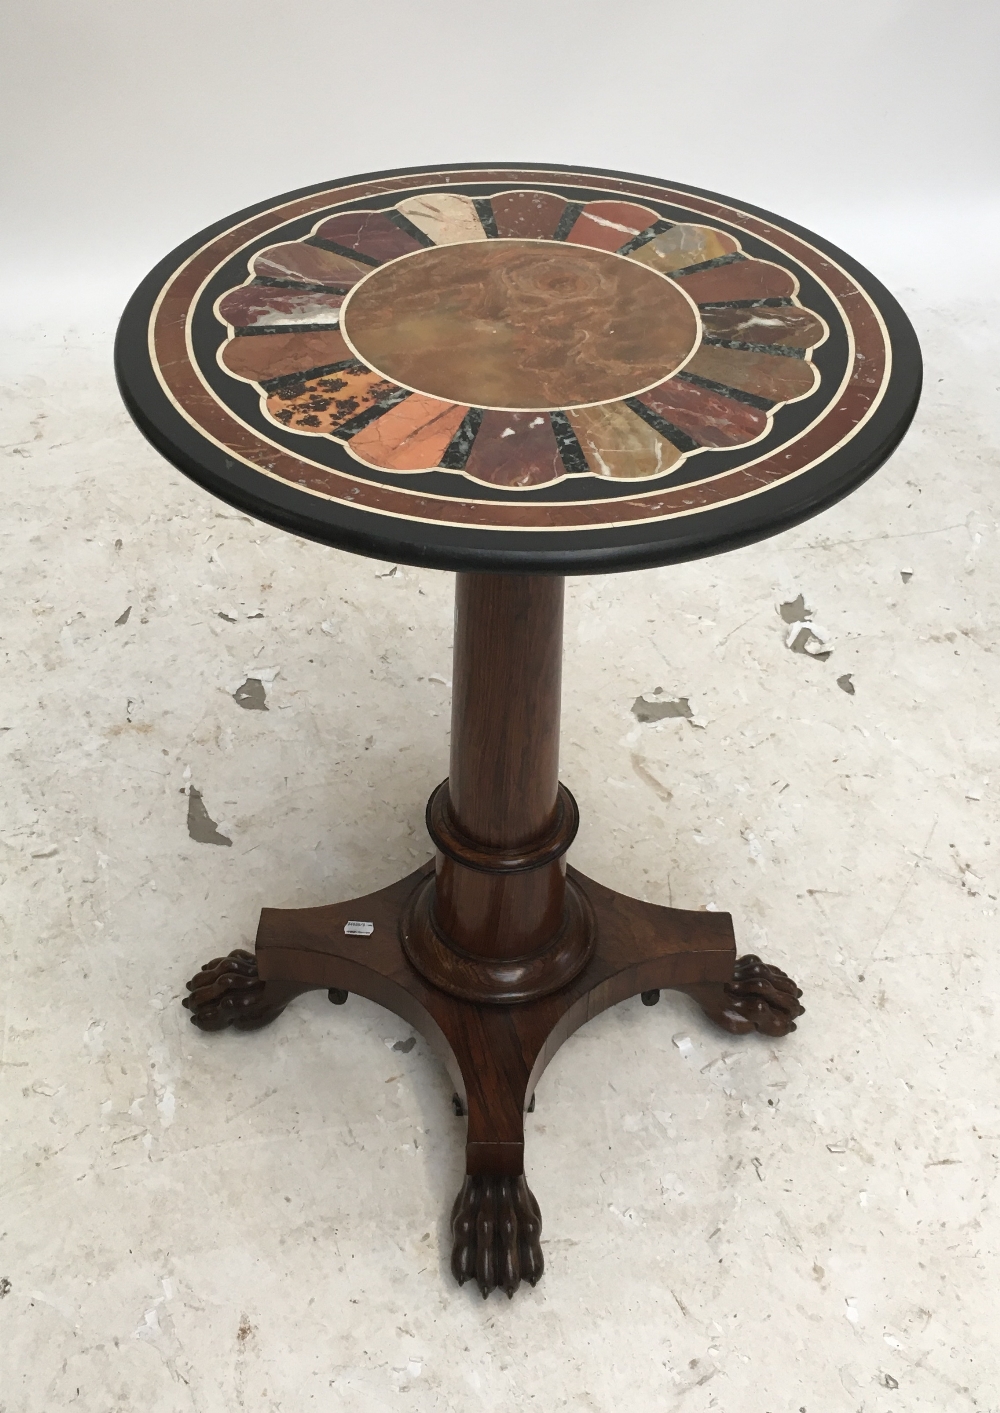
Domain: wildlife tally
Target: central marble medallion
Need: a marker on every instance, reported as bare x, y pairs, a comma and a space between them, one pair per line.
521, 325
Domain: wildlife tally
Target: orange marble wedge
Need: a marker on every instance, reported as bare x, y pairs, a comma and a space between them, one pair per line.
412, 436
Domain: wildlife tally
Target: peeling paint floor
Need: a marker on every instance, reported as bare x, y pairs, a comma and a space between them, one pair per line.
200, 714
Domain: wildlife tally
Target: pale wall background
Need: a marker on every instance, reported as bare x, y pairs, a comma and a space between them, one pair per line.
129, 124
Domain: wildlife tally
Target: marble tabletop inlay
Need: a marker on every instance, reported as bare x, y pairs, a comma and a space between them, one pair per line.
521, 324
490, 352
522, 301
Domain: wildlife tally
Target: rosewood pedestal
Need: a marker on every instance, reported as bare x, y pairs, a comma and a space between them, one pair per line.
514, 374
497, 952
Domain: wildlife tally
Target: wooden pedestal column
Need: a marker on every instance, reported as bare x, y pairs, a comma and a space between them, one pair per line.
498, 923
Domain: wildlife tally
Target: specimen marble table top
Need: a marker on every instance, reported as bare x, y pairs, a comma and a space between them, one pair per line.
524, 368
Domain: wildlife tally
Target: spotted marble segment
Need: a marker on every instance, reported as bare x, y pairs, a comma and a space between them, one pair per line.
790, 326
265, 307
683, 245
738, 280
412, 436
369, 233
515, 449
527, 215
608, 225
278, 355
324, 405
764, 374
710, 418
620, 445
308, 264
446, 218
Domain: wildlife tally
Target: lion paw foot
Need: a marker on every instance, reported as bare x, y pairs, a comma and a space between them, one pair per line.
759, 997
228, 991
497, 1227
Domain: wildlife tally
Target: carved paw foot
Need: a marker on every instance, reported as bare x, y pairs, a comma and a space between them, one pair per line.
759, 997
496, 1226
228, 991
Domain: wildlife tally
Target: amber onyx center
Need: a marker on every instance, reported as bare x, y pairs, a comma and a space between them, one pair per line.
520, 324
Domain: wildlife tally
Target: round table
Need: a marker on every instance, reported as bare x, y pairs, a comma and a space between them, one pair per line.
515, 373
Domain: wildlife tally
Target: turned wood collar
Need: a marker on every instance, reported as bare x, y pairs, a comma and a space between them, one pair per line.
450, 840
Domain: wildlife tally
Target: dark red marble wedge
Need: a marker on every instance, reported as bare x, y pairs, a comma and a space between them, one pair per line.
263, 306
710, 418
515, 449
608, 225
368, 232
527, 215
744, 279
308, 263
792, 327
278, 355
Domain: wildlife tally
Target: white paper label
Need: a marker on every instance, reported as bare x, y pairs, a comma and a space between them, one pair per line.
359, 929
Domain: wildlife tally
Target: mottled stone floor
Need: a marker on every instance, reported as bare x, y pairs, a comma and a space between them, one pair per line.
210, 1223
